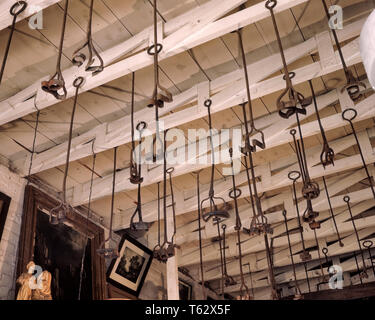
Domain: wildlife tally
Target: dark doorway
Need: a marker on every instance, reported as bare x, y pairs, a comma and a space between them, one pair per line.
60, 250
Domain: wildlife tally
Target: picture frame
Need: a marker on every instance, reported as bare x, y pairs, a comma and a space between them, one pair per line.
129, 270
185, 290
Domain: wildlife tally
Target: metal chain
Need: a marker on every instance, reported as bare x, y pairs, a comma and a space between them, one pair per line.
14, 11
54, 85
79, 57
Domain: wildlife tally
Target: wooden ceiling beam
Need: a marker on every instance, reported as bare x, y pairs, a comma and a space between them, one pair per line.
201, 24
108, 135
282, 257
268, 181
256, 244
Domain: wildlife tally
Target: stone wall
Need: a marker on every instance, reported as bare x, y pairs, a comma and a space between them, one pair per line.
13, 186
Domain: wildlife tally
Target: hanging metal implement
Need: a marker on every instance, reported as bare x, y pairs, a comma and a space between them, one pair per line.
327, 156
160, 95
140, 225
110, 253
310, 189
213, 210
294, 176
15, 10
167, 249
79, 57
58, 214
350, 119
56, 83
297, 102
259, 223
368, 244
157, 247
228, 280
363, 274
331, 212
352, 84
298, 294
200, 236
234, 194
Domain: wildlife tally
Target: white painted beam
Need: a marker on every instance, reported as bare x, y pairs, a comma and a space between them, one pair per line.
33, 6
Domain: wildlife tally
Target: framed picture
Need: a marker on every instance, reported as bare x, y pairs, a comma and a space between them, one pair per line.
185, 290
129, 270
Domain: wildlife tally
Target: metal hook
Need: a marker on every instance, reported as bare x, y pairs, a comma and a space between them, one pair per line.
79, 58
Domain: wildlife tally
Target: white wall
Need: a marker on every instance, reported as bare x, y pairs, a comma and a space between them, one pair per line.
13, 186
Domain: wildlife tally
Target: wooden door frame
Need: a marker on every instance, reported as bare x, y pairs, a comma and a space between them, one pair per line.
36, 200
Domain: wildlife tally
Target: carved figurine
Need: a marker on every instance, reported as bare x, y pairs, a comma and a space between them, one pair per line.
33, 288
43, 291
25, 279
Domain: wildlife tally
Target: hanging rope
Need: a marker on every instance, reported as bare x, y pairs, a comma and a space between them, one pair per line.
79, 57
58, 214
57, 83
110, 253
14, 11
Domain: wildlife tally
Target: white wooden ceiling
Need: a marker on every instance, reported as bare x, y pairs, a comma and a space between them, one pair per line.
121, 31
